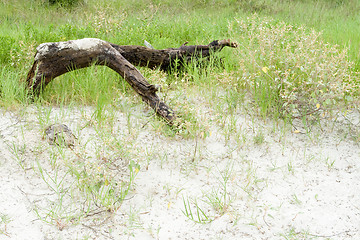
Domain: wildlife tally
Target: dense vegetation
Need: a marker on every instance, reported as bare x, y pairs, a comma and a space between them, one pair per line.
284, 62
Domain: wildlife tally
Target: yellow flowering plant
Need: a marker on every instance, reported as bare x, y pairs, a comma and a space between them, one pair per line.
290, 71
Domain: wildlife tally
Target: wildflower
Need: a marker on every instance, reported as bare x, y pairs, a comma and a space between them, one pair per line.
317, 106
265, 69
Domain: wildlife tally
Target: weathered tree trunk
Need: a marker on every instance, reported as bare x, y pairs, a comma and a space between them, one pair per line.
165, 58
55, 59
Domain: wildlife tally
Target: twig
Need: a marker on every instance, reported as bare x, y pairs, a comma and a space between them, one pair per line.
327, 236
264, 218
95, 213
196, 141
96, 231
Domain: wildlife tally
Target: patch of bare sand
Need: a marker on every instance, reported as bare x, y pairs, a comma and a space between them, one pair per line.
302, 186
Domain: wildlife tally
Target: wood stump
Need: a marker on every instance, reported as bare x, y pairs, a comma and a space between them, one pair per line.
56, 58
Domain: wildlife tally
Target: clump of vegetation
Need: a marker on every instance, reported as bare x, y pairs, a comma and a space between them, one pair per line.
85, 185
4, 220
64, 2
291, 71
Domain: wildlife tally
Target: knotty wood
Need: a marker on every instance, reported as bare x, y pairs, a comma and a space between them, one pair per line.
56, 58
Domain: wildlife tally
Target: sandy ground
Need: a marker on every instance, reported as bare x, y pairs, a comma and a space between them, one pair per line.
288, 185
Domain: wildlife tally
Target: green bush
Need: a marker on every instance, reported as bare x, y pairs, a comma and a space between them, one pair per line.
64, 2
291, 71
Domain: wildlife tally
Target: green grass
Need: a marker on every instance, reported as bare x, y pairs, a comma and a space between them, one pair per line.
26, 24
337, 20
4, 220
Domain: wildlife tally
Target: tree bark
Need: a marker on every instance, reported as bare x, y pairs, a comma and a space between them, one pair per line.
54, 59
165, 58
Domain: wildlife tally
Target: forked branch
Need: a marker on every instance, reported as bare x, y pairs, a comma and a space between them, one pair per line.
56, 58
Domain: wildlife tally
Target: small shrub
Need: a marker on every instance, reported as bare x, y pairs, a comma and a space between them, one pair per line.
64, 2
291, 71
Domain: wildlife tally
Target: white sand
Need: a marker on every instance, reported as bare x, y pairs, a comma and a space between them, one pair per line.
285, 185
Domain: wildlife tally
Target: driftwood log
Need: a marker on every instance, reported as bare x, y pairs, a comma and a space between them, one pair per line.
56, 58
